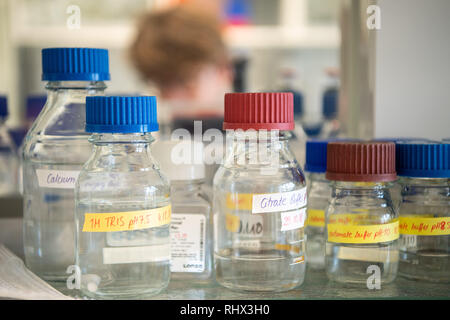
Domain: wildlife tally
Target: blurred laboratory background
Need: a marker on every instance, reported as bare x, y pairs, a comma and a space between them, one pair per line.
357, 68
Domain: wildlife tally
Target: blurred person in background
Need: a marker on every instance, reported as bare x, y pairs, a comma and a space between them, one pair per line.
179, 51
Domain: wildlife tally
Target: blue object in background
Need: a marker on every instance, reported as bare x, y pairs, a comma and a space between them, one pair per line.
238, 12
330, 103
35, 103
3, 107
298, 102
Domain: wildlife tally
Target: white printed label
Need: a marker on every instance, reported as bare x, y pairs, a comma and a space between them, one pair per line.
247, 244
188, 236
291, 220
408, 241
275, 202
136, 254
57, 178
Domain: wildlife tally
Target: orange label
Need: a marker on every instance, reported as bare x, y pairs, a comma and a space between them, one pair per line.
232, 222
239, 201
316, 218
424, 226
341, 233
127, 220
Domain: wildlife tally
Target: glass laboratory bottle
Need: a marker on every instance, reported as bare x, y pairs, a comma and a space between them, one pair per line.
361, 222
424, 170
8, 157
122, 203
259, 201
319, 193
54, 150
191, 224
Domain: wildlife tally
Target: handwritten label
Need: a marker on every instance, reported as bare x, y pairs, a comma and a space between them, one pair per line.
341, 233
275, 202
424, 226
267, 202
316, 218
247, 225
351, 219
59, 179
291, 220
127, 220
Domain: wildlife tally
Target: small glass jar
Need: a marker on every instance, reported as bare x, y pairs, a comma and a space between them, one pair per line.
259, 197
319, 193
54, 150
361, 222
191, 227
122, 203
424, 170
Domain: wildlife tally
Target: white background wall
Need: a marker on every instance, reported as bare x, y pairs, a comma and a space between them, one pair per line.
413, 69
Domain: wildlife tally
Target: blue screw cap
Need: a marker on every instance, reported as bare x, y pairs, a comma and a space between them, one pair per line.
121, 114
423, 160
75, 64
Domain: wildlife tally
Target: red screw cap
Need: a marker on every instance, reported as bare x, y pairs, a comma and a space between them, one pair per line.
258, 111
361, 161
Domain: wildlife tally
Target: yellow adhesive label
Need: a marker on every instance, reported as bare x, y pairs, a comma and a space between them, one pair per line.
239, 201
342, 233
423, 225
287, 247
316, 218
127, 220
352, 219
232, 222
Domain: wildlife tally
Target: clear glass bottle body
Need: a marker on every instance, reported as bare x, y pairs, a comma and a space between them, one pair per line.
319, 193
54, 150
9, 163
250, 250
191, 232
361, 204
425, 257
121, 176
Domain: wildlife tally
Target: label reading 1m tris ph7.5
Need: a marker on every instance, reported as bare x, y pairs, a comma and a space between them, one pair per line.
188, 236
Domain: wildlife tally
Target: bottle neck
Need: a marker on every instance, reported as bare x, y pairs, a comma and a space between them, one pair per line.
120, 142
363, 189
186, 186
257, 147
428, 188
73, 91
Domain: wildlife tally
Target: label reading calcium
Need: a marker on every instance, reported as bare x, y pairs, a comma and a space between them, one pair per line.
341, 233
316, 218
60, 179
267, 202
424, 225
127, 220
188, 241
